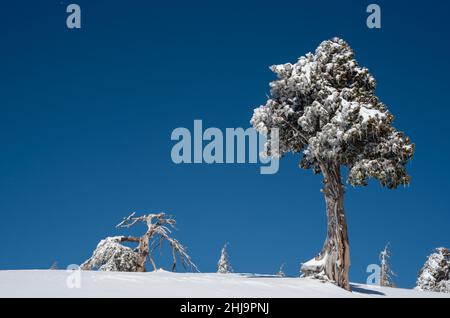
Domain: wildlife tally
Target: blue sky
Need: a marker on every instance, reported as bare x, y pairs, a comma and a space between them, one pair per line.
86, 119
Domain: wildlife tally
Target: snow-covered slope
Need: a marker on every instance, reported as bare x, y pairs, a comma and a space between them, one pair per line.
54, 283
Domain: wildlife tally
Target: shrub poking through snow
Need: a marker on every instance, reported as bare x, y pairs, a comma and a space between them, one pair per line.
281, 272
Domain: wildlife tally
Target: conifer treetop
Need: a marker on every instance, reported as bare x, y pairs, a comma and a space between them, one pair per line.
325, 106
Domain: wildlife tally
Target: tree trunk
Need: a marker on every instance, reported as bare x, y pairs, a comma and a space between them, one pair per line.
144, 251
334, 259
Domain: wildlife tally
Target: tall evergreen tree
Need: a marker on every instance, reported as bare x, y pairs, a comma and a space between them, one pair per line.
325, 107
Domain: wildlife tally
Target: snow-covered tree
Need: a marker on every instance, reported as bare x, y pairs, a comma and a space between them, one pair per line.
223, 265
324, 106
280, 272
435, 273
111, 255
386, 272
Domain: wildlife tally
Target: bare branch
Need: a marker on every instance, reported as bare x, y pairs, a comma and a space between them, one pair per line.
130, 239
126, 221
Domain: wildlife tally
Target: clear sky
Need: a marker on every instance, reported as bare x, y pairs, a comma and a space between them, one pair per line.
86, 118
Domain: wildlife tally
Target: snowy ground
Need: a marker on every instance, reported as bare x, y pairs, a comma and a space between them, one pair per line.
54, 283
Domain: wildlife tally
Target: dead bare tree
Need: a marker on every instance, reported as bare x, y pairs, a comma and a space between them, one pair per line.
159, 228
111, 255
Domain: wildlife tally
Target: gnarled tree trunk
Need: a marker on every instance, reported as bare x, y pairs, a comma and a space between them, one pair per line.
144, 250
334, 259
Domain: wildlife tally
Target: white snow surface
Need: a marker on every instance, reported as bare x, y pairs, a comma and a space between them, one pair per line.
162, 284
